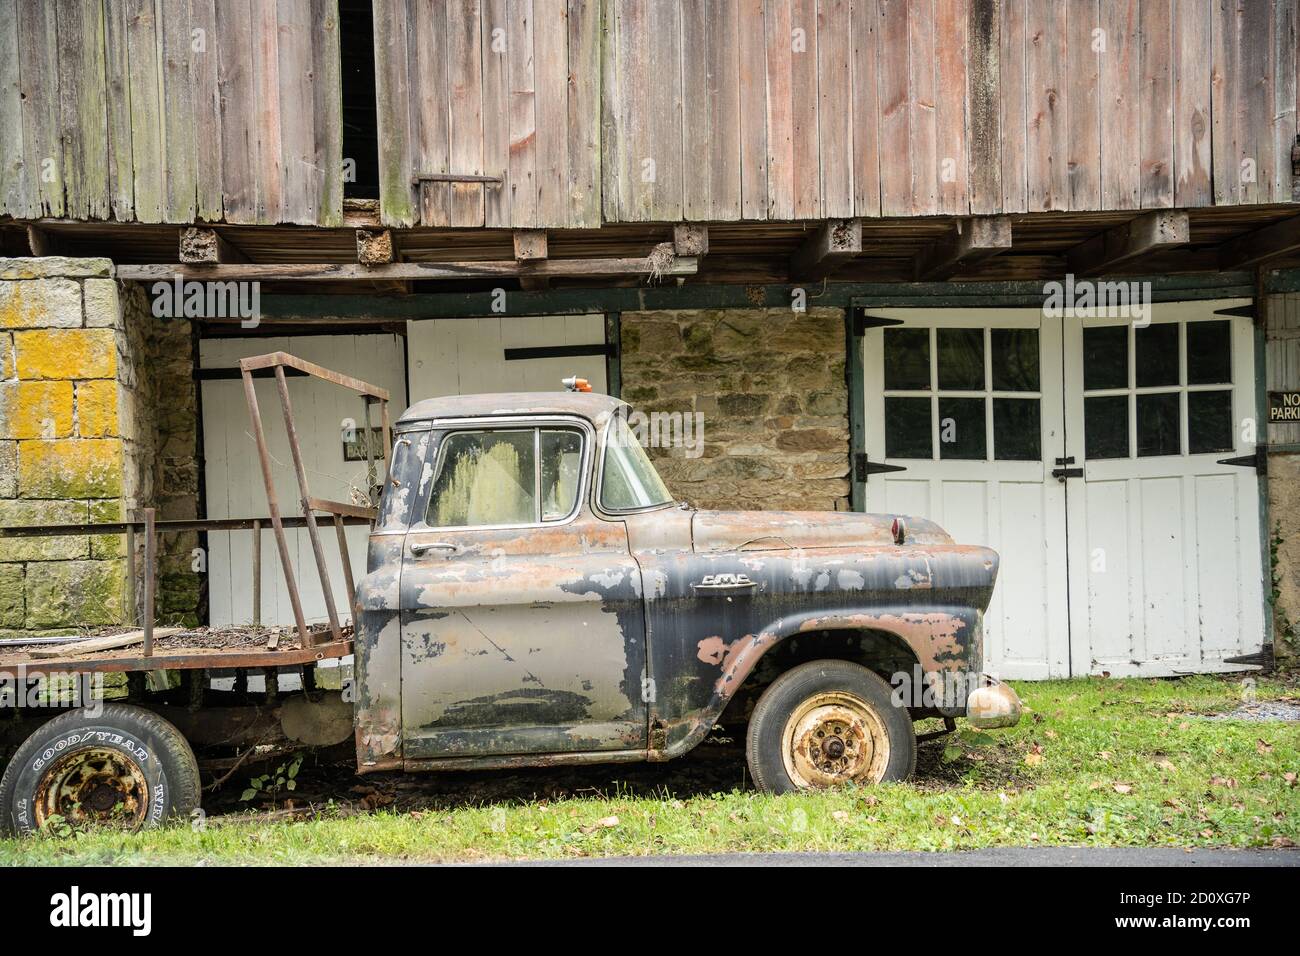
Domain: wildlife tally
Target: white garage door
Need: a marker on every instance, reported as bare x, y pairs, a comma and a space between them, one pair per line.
1087, 452
234, 486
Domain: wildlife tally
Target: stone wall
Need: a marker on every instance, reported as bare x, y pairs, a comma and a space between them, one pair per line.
1283, 373
770, 386
89, 399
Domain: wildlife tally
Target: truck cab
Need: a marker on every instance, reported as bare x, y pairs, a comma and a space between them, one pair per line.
534, 595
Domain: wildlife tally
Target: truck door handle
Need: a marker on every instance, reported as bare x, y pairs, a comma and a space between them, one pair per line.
1060, 474
420, 547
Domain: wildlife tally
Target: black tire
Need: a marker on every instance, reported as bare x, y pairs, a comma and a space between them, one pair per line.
799, 687
120, 741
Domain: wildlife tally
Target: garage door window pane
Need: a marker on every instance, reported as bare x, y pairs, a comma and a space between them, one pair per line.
1105, 357
961, 428
1209, 353
1158, 424
486, 478
1157, 356
907, 359
961, 359
1105, 427
907, 428
1209, 422
1015, 361
1017, 434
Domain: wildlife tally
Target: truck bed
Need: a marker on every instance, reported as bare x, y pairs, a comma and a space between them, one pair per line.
196, 649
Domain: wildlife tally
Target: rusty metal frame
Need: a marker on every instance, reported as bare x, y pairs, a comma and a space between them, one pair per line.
371, 395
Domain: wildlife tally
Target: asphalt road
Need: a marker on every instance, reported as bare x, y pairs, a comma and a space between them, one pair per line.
996, 856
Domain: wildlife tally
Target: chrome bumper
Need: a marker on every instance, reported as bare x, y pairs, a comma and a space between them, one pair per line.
993, 705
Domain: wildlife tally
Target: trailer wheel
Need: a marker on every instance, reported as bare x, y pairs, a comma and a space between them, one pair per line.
825, 724
122, 766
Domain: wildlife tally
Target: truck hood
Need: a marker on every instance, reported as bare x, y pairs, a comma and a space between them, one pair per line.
779, 530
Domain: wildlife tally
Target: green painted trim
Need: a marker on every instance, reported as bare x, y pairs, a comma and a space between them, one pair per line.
856, 376
1261, 430
650, 298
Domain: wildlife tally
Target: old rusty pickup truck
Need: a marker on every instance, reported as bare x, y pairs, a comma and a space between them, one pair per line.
535, 596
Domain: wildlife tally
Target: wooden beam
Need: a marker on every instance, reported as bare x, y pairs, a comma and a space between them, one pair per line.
975, 239
530, 249
1149, 232
690, 239
489, 269
1260, 245
203, 245
375, 247
40, 242
833, 245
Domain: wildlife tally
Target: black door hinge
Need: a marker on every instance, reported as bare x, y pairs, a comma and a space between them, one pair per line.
1060, 474
862, 321
863, 468
1258, 460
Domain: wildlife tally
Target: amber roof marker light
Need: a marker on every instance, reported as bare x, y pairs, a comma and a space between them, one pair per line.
575, 384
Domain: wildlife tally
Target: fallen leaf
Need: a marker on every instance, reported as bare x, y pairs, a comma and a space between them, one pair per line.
1184, 725
840, 816
1104, 755
1263, 746
1050, 733
1290, 778
1123, 788
1167, 765
956, 821
1033, 759
1229, 782
604, 823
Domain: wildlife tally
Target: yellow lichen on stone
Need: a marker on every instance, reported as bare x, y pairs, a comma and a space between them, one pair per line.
66, 353
73, 468
35, 409
97, 409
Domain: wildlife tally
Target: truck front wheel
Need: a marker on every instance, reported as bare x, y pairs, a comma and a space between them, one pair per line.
828, 723
116, 766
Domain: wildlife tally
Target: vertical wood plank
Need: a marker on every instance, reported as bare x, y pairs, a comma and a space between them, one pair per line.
663, 45
494, 37
1225, 102
835, 109
1013, 77
896, 159
777, 21
1284, 98
1083, 168
234, 42
615, 190
583, 177
83, 109
551, 70
39, 81
180, 138
392, 96
268, 169
865, 109
523, 117
1047, 139
328, 67
207, 110
145, 91
1121, 117
1257, 158
804, 110
922, 122
297, 96
753, 109
465, 75
1157, 188
984, 113
15, 186
1193, 57
952, 75
697, 190
724, 111
430, 106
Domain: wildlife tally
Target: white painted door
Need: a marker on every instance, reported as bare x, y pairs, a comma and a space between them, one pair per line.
1149, 562
1165, 559
969, 403
464, 356
233, 476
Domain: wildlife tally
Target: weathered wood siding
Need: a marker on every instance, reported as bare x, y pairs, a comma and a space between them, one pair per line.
171, 110
803, 109
504, 88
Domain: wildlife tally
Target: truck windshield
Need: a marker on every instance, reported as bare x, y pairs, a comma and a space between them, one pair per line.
628, 481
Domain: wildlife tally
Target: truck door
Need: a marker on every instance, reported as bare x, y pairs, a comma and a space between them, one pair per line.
522, 622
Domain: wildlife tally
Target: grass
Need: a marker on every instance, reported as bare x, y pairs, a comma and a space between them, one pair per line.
1095, 762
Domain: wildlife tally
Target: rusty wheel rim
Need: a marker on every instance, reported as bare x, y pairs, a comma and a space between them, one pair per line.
93, 785
833, 739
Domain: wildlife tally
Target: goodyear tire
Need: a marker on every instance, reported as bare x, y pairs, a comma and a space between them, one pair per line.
123, 767
825, 724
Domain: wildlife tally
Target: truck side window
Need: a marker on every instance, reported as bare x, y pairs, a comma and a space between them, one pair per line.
492, 478
628, 481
